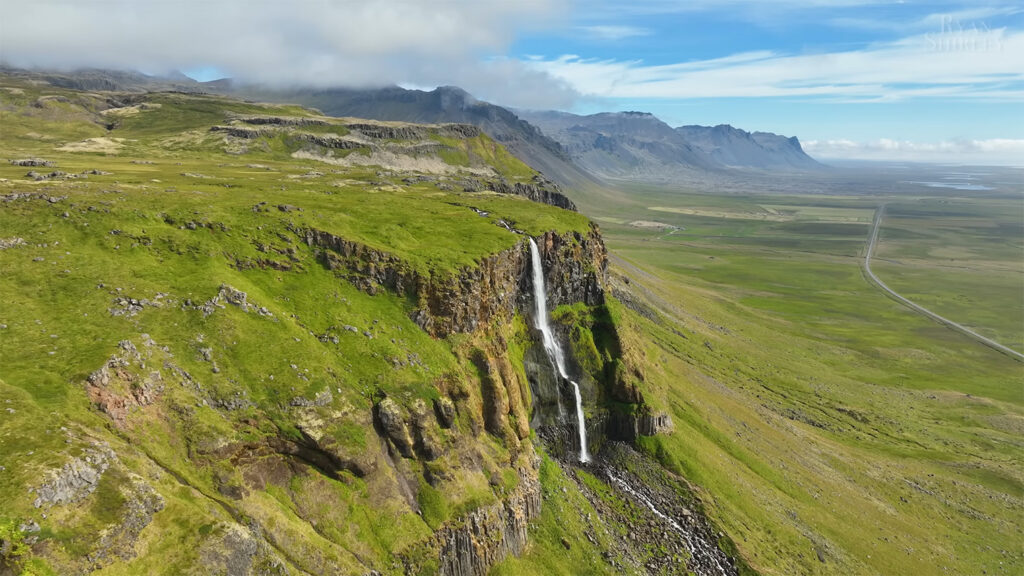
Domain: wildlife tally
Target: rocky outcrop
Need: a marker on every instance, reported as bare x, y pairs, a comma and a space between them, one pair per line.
504, 411
540, 190
129, 514
445, 409
6, 243
574, 263
270, 125
232, 296
413, 433
117, 388
459, 130
282, 121
118, 539
628, 426
235, 551
424, 428
77, 479
331, 141
472, 297
242, 131
491, 533
390, 132
575, 267
392, 421
32, 162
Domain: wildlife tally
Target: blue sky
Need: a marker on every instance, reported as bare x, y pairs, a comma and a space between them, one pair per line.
921, 80
939, 80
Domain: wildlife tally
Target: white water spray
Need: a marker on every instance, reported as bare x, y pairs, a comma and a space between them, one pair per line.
551, 345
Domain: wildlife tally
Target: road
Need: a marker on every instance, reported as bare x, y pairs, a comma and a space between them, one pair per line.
873, 239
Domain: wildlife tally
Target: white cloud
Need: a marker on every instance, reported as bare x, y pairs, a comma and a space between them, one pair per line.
970, 65
957, 20
613, 32
996, 151
318, 42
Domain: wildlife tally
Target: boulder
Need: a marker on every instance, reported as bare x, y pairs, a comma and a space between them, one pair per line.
445, 409
392, 422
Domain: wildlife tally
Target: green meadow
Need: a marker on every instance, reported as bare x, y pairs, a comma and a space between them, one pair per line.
834, 430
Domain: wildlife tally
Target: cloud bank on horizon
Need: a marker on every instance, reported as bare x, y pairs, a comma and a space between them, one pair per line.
360, 43
1003, 151
931, 76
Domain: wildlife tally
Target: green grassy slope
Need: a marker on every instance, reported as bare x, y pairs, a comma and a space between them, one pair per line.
834, 431
149, 250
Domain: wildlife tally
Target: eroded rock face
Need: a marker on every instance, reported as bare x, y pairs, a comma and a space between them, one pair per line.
236, 551
628, 427
118, 539
575, 266
445, 409
71, 487
392, 421
491, 533
77, 479
424, 424
540, 190
124, 383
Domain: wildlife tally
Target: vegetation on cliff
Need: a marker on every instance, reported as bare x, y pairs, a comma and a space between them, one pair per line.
195, 374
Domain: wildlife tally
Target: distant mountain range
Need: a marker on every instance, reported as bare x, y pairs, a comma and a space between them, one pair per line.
734, 147
637, 145
569, 149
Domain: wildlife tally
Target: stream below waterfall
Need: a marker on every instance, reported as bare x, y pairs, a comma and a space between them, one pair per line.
706, 559
694, 533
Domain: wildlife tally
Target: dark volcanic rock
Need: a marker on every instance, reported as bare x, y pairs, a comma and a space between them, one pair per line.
491, 533
445, 409
392, 420
32, 162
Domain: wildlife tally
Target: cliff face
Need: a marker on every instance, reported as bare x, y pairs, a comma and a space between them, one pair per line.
493, 532
575, 268
280, 418
540, 190
477, 301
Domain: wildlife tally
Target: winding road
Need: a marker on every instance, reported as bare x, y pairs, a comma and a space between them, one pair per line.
872, 240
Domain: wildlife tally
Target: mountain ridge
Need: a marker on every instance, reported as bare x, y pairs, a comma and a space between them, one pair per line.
638, 145
738, 148
571, 150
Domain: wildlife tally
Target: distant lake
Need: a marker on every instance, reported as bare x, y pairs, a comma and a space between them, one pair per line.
954, 185
957, 181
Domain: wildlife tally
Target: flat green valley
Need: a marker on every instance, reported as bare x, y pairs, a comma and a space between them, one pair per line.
861, 432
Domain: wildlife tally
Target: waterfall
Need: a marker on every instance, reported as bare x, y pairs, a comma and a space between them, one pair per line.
551, 345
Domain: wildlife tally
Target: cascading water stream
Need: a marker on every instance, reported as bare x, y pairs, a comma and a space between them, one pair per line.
551, 345
713, 561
